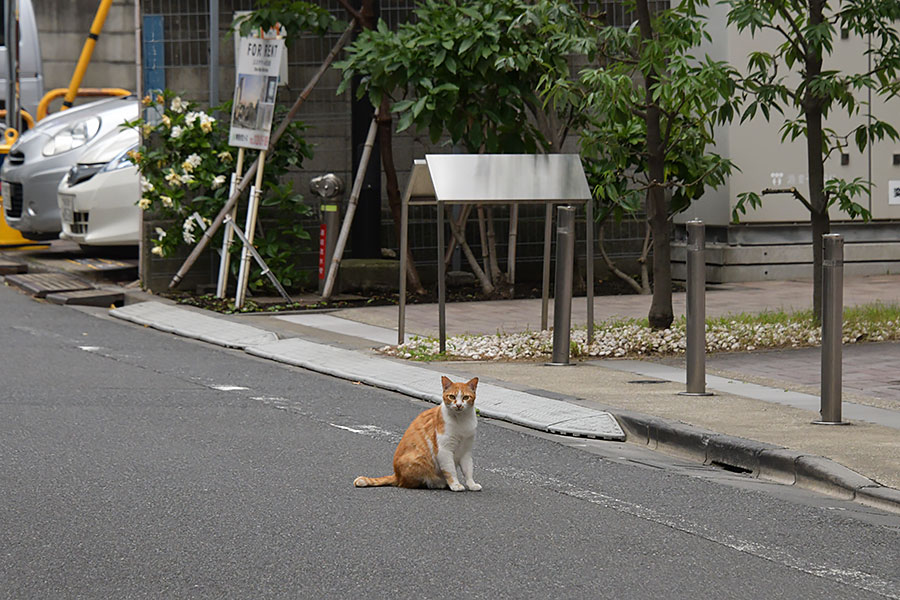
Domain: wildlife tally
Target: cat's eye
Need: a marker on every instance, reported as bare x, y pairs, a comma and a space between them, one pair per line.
467, 397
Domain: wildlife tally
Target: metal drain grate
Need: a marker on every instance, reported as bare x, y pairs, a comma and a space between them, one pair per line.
41, 284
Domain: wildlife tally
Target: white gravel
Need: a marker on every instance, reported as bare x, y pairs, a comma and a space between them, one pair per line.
632, 340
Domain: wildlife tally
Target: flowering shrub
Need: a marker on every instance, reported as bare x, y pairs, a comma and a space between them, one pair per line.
186, 165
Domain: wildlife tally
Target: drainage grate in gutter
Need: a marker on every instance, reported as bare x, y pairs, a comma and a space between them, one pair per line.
41, 284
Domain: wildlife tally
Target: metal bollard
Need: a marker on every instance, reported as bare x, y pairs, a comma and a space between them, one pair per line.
562, 293
832, 322
328, 187
695, 351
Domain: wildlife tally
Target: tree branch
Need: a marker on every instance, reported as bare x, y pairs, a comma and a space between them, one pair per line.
792, 191
357, 15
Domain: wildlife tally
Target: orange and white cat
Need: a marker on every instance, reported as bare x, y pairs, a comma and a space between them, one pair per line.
435, 443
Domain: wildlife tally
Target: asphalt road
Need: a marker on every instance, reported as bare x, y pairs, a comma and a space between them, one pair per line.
135, 464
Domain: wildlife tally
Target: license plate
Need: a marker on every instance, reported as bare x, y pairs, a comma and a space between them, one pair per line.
67, 211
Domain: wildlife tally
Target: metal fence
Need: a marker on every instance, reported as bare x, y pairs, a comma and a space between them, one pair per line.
183, 53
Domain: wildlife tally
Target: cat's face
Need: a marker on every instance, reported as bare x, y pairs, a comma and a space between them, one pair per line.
459, 396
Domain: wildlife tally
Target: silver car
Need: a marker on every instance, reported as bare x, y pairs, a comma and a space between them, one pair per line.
98, 198
43, 155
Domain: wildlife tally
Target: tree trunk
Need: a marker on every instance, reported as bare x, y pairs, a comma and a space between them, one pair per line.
819, 220
812, 109
661, 314
385, 123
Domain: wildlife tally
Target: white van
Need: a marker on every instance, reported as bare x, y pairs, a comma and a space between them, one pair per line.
31, 77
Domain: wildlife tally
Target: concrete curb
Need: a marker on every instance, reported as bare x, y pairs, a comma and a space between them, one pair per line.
757, 459
496, 402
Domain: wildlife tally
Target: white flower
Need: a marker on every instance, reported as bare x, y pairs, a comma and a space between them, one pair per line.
190, 118
178, 105
146, 186
157, 250
173, 178
144, 203
186, 178
166, 201
224, 156
206, 122
176, 132
160, 233
218, 181
193, 160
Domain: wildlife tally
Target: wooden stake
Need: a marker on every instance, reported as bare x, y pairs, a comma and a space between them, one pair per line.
252, 211
225, 259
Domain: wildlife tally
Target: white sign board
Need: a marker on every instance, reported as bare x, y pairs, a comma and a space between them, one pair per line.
894, 192
256, 85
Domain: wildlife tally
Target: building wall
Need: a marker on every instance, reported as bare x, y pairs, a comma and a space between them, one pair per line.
765, 161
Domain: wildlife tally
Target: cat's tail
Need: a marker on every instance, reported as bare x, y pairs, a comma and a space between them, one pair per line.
375, 481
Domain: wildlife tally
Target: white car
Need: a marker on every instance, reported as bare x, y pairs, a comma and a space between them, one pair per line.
98, 196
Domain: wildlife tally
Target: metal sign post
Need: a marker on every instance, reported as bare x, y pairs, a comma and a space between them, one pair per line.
472, 179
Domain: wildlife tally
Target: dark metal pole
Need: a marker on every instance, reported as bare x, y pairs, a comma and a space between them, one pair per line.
832, 321
695, 350
441, 280
562, 292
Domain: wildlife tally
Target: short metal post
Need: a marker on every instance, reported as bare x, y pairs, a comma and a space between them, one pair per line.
832, 322
695, 341
562, 292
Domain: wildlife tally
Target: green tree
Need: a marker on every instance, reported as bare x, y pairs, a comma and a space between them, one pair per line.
470, 71
797, 81
653, 106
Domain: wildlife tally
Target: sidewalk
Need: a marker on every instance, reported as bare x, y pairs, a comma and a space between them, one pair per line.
758, 421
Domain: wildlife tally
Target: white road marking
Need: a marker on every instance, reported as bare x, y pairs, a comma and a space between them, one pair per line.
228, 388
845, 576
851, 577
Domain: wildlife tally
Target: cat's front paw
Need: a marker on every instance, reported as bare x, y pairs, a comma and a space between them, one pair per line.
457, 487
474, 487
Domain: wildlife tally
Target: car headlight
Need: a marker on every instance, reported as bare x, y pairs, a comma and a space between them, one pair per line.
82, 172
121, 161
72, 137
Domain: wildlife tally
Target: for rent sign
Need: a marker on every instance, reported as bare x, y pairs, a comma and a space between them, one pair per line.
258, 64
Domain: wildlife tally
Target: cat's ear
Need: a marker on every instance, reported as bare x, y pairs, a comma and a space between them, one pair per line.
445, 381
472, 383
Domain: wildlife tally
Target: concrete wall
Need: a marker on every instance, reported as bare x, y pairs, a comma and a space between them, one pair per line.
63, 26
